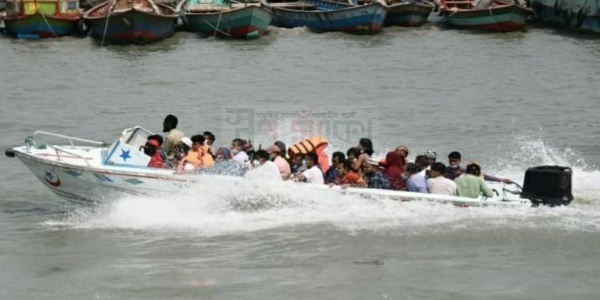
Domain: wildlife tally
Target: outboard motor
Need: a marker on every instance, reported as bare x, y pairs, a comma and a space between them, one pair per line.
548, 185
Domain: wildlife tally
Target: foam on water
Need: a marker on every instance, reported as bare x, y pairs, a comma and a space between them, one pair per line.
221, 206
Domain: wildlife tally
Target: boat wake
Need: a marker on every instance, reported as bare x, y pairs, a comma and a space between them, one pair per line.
216, 207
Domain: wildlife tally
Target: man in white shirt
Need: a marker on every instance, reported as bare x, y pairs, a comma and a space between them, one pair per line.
312, 174
282, 164
437, 183
237, 151
266, 171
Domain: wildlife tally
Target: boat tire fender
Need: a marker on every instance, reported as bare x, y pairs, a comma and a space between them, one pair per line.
9, 152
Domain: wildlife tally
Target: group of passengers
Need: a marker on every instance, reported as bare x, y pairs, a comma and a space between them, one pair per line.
355, 168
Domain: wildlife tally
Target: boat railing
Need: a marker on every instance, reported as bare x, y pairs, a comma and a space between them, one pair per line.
36, 137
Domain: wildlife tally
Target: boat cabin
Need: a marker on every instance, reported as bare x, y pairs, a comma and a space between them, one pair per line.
59, 8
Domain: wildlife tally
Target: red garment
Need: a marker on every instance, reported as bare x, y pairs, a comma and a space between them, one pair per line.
156, 161
351, 178
394, 165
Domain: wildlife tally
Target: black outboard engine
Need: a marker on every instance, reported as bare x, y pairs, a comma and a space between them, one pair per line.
548, 185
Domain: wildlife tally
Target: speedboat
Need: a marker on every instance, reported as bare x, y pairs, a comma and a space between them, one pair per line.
88, 170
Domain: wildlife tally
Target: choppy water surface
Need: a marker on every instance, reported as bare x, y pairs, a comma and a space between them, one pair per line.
509, 101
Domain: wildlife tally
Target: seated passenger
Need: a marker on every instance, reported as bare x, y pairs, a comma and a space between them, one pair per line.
393, 169
416, 181
160, 141
313, 173
151, 149
365, 151
224, 165
282, 164
375, 178
437, 183
431, 156
352, 155
194, 156
471, 185
267, 170
238, 153
454, 169
349, 176
332, 175
297, 164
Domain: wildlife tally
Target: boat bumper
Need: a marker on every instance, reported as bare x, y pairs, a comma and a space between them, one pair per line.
9, 152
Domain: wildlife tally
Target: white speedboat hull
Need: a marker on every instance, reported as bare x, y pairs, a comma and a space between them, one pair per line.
104, 172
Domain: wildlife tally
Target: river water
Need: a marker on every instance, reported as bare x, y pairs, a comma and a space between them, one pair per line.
509, 101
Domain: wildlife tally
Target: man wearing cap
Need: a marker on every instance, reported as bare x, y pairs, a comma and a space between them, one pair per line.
375, 178
282, 164
431, 156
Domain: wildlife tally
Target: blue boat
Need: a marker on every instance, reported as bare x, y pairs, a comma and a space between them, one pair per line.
581, 15
324, 16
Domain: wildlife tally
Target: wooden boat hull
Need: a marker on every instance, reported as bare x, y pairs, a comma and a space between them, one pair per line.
341, 17
41, 26
245, 22
580, 15
500, 18
407, 14
131, 27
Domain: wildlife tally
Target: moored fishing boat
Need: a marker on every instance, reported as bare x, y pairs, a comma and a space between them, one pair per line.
581, 15
42, 18
488, 15
225, 18
81, 169
325, 16
131, 22
407, 13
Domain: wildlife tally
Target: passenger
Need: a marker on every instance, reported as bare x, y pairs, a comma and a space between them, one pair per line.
393, 169
352, 155
349, 176
282, 150
209, 139
403, 152
180, 151
151, 149
224, 165
266, 171
454, 169
282, 164
249, 149
297, 164
365, 148
237, 150
194, 156
423, 165
223, 153
160, 141
437, 183
375, 178
416, 182
313, 174
471, 185
332, 175
173, 135
206, 154
431, 156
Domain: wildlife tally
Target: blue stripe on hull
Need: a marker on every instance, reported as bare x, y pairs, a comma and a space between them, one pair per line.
336, 20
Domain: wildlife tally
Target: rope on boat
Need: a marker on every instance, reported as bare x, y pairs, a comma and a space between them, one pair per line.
47, 23
217, 29
110, 9
218, 22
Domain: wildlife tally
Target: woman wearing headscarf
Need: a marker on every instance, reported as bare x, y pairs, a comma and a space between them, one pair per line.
393, 169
